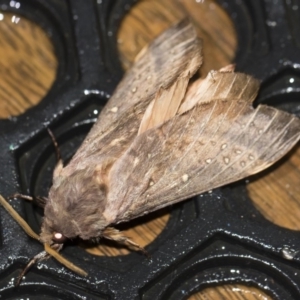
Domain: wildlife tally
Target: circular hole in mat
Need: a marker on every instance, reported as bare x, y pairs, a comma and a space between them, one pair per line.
276, 192
149, 18
229, 292
28, 64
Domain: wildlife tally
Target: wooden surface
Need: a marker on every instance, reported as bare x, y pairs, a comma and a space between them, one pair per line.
28, 67
27, 64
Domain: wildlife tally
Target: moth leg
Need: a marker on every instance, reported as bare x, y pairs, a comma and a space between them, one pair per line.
58, 155
59, 165
42, 255
22, 196
114, 234
39, 200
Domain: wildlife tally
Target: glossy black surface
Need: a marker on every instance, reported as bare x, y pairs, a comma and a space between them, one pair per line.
216, 238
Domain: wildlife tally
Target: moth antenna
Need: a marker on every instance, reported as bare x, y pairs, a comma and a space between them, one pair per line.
48, 249
58, 155
114, 234
64, 261
18, 218
42, 255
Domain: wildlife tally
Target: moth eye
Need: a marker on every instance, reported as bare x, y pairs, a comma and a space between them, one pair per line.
58, 238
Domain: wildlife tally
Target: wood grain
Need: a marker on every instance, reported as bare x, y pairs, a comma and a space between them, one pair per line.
230, 292
27, 64
28, 67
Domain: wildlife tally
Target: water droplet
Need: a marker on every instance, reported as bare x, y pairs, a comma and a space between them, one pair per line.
15, 19
271, 23
15, 4
288, 253
243, 163
251, 157
224, 146
238, 151
134, 90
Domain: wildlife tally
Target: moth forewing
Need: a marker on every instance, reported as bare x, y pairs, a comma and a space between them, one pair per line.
215, 142
221, 85
176, 52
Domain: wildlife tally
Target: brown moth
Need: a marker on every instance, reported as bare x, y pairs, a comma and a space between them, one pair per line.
161, 139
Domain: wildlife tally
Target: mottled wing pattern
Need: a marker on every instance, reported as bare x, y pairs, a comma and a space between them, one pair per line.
176, 52
221, 85
214, 143
165, 104
120, 135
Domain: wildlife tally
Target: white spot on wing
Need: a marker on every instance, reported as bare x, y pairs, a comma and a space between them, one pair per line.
136, 161
185, 177
226, 160
114, 109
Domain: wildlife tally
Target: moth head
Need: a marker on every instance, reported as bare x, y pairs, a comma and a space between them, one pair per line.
74, 208
49, 251
51, 236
